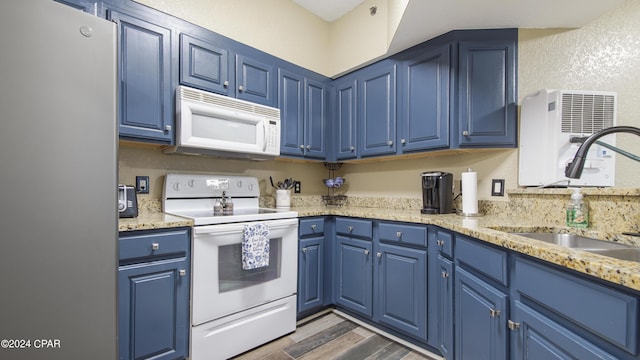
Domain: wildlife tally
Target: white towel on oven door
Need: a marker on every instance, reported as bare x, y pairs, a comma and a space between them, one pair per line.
255, 246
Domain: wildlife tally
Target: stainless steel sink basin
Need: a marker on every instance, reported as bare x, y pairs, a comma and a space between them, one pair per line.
574, 241
630, 254
605, 248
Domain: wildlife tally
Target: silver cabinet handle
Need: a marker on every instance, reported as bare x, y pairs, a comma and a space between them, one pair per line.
399, 234
379, 254
366, 251
241, 88
440, 242
513, 325
182, 272
302, 147
350, 228
313, 226
494, 313
167, 128
226, 83
308, 147
155, 246
304, 250
403, 141
445, 274
352, 148
465, 133
390, 143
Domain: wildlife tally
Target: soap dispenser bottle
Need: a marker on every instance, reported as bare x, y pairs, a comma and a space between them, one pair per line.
577, 210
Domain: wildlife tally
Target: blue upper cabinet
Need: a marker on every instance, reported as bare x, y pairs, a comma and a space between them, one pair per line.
204, 65
291, 104
303, 108
377, 109
255, 80
344, 137
425, 101
487, 92
212, 63
146, 107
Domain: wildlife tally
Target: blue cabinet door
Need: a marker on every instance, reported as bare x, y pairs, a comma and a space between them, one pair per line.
445, 306
310, 274
153, 310
377, 109
345, 118
144, 72
487, 93
303, 109
315, 118
291, 104
480, 319
425, 107
539, 337
402, 289
354, 277
204, 65
256, 81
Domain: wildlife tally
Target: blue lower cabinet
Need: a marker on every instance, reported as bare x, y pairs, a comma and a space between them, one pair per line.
480, 319
354, 278
402, 289
539, 337
445, 306
153, 295
310, 274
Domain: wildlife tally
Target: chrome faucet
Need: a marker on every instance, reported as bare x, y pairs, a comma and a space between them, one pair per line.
575, 167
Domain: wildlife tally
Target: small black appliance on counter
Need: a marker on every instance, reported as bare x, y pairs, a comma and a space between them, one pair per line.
437, 192
127, 201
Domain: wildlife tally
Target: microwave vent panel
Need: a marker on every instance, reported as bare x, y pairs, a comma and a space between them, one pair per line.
227, 102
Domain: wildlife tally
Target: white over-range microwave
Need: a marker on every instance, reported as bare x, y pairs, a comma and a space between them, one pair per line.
217, 125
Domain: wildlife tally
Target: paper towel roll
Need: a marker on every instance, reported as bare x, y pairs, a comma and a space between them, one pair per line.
470, 192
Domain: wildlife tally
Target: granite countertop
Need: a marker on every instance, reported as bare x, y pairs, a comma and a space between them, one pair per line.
495, 229
152, 220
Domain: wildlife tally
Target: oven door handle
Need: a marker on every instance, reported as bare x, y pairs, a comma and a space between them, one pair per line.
223, 229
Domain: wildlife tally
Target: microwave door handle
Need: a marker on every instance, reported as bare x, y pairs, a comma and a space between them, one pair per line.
264, 136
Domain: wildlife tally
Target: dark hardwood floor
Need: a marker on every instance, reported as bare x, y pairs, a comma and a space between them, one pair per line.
332, 337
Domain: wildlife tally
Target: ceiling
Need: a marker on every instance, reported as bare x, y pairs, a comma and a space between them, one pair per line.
329, 10
426, 19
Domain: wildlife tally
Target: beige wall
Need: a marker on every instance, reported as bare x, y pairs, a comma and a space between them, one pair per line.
604, 55
286, 30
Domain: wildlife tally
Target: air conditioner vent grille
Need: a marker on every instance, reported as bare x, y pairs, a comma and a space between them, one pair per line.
587, 113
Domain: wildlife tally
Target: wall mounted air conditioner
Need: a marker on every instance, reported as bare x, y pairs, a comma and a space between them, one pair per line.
548, 120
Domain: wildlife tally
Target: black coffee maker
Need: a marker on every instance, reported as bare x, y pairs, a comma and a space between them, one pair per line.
437, 192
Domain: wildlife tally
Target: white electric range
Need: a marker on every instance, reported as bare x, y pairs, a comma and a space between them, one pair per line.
234, 310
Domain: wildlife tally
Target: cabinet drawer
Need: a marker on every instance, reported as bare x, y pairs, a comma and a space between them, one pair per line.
487, 260
403, 233
313, 226
354, 227
444, 241
137, 245
608, 313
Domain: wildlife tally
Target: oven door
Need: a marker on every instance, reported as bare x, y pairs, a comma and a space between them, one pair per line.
221, 287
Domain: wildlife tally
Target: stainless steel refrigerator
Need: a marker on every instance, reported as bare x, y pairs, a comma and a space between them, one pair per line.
58, 179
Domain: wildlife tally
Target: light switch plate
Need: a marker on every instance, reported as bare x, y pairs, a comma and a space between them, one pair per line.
497, 187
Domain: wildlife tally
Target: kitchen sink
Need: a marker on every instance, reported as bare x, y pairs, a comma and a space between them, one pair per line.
574, 241
629, 254
601, 247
